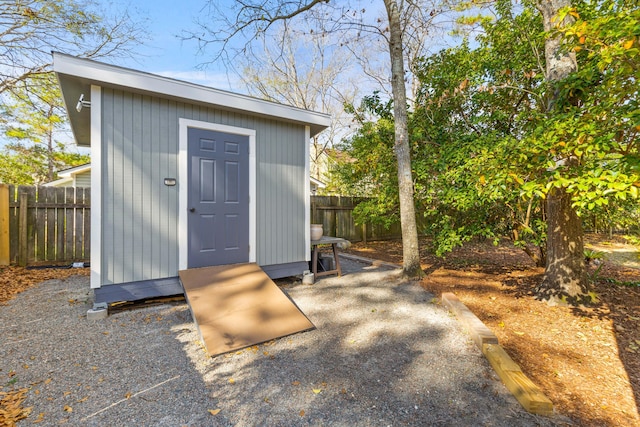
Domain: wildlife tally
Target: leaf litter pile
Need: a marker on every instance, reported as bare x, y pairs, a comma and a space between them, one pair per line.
14, 280
586, 360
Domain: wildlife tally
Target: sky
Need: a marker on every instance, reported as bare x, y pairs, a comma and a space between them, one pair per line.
165, 53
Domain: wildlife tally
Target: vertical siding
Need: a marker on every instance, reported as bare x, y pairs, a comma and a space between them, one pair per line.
140, 214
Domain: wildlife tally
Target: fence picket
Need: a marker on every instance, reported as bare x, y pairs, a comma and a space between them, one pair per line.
31, 225
60, 194
69, 223
49, 196
78, 225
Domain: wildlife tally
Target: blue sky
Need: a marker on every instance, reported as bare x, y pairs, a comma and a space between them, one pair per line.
165, 53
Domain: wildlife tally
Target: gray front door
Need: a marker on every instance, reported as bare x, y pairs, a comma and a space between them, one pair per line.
218, 198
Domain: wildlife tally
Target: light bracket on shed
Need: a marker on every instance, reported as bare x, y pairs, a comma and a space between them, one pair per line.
82, 103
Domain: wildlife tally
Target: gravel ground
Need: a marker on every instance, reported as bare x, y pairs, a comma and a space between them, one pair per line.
383, 353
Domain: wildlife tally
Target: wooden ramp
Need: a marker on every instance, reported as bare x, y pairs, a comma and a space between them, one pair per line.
235, 306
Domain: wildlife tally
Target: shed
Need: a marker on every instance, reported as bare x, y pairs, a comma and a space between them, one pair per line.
186, 176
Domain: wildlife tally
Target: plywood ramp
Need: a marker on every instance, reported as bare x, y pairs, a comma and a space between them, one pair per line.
235, 306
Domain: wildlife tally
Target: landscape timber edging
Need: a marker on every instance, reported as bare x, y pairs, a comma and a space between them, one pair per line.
373, 262
523, 389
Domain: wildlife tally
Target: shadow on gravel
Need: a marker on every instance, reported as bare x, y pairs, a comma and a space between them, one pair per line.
382, 354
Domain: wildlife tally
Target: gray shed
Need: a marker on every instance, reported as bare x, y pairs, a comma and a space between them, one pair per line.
187, 176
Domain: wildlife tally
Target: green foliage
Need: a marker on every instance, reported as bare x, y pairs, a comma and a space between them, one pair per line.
34, 152
473, 107
374, 171
597, 122
31, 113
487, 149
591, 254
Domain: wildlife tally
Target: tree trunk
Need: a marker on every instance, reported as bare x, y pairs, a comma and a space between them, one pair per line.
565, 275
410, 249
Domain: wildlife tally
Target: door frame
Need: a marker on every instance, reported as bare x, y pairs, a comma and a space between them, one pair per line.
183, 184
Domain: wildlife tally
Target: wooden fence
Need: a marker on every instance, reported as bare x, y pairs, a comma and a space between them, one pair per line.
335, 213
45, 224
52, 225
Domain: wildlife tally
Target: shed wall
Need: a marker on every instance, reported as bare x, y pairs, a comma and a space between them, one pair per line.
140, 141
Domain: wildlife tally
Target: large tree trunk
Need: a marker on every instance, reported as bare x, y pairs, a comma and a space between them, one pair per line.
565, 275
410, 249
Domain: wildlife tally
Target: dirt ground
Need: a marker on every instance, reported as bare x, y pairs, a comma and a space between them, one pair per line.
586, 360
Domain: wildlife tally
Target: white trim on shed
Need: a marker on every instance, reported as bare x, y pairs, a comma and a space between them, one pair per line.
183, 160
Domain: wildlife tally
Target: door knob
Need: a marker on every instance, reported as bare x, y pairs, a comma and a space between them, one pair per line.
192, 210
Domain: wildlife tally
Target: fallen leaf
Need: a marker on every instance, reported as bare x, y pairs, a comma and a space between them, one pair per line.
215, 411
317, 390
232, 381
66, 393
128, 395
296, 383
302, 413
84, 399
518, 333
68, 408
501, 324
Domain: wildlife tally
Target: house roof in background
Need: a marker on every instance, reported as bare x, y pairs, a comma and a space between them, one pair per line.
66, 175
75, 170
317, 182
76, 75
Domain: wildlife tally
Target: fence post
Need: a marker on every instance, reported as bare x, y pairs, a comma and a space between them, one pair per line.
5, 255
23, 241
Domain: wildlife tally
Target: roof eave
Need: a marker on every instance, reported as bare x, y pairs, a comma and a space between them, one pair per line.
76, 75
